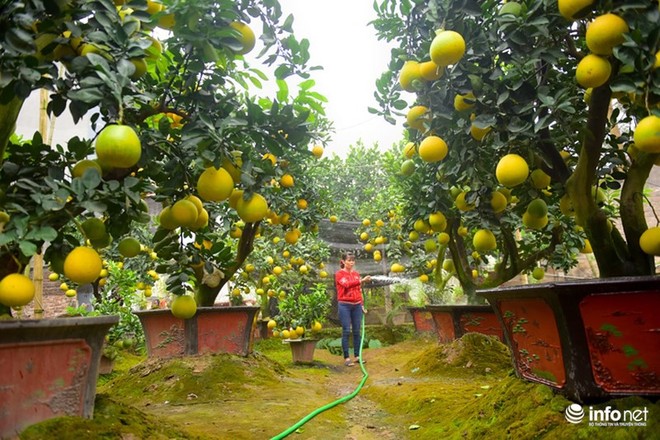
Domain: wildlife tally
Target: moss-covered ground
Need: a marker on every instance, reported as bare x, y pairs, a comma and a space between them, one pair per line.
417, 389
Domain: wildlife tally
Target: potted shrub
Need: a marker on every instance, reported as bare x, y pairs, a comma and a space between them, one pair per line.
169, 126
301, 314
571, 154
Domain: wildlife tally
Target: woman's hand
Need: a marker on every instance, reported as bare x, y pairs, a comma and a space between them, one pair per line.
366, 279
364, 310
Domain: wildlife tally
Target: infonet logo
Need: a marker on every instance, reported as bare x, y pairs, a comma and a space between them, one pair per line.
574, 413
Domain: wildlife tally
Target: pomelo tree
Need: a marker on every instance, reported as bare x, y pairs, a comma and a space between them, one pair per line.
535, 128
178, 117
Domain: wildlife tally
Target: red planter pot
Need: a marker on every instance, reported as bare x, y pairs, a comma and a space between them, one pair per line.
211, 330
49, 369
452, 322
591, 340
302, 350
423, 319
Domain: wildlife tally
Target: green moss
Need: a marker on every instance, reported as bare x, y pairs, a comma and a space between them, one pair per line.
112, 420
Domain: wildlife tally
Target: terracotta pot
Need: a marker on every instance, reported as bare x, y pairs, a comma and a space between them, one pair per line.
302, 350
423, 319
50, 368
453, 321
211, 330
591, 340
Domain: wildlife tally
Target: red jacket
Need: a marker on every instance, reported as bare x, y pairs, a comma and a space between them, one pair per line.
348, 286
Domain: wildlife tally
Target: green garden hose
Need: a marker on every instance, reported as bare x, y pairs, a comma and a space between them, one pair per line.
346, 398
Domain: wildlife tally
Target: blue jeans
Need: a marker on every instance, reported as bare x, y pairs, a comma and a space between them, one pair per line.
350, 315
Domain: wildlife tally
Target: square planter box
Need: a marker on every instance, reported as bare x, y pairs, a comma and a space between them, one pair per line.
50, 368
591, 340
423, 319
453, 321
302, 350
211, 330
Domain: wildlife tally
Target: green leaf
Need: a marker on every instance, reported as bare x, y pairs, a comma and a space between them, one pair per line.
27, 248
45, 233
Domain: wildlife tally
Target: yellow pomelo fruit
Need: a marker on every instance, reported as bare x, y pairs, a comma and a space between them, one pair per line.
292, 236
438, 221
447, 48
83, 165
271, 324
82, 265
593, 71
129, 247
498, 202
184, 213
118, 146
413, 235
418, 116
448, 265
286, 181
421, 226
409, 76
54, 276
464, 102
167, 21
184, 307
587, 247
197, 202
247, 38
252, 210
215, 184
364, 236
484, 241
94, 228
537, 208
424, 278
571, 9
647, 134
71, 293
566, 206
432, 149
430, 245
478, 133
154, 7
511, 170
232, 168
539, 179
235, 196
301, 204
333, 219
317, 326
397, 268
202, 220
102, 242
605, 32
462, 204
533, 222
16, 290
166, 219
430, 71
317, 151
409, 150
649, 241
443, 238
538, 273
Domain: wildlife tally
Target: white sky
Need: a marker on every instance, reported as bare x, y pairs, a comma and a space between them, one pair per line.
346, 46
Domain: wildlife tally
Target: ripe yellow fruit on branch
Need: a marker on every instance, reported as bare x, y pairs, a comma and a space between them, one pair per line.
649, 241
432, 149
215, 185
571, 9
16, 290
417, 117
247, 38
511, 170
605, 33
118, 146
647, 135
430, 71
484, 241
184, 307
464, 102
82, 265
410, 76
184, 213
397, 268
252, 210
593, 71
317, 151
447, 48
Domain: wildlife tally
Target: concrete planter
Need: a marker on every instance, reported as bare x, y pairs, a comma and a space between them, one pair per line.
453, 321
302, 350
50, 368
590, 340
423, 319
211, 330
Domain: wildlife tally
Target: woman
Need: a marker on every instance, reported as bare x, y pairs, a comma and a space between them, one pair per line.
351, 305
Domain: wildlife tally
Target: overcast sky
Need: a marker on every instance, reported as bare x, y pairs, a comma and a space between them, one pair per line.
342, 42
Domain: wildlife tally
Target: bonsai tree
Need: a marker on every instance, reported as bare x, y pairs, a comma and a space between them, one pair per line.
170, 92
533, 128
301, 312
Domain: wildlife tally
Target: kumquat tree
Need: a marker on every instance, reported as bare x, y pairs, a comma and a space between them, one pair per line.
533, 131
175, 96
